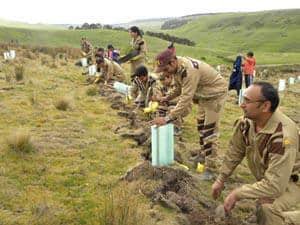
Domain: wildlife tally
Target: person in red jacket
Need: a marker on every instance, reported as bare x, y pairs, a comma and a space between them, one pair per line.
249, 68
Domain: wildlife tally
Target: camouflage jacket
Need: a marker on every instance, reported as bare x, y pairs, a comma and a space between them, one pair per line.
272, 154
195, 80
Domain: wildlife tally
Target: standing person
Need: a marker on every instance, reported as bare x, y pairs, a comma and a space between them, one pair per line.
269, 140
236, 77
249, 68
139, 44
201, 83
87, 50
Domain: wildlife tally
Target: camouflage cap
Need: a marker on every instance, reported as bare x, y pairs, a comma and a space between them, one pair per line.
163, 59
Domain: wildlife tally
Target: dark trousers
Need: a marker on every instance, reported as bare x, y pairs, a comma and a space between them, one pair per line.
248, 80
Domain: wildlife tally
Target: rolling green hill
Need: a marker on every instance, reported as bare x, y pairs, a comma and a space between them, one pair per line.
146, 24
99, 38
272, 35
268, 31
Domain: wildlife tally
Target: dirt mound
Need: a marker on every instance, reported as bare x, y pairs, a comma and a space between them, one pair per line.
177, 189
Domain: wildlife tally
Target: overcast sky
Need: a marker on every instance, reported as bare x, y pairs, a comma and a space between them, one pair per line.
119, 11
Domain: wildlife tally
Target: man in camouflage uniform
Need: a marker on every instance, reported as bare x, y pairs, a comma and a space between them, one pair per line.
142, 86
164, 90
163, 87
198, 82
110, 70
269, 140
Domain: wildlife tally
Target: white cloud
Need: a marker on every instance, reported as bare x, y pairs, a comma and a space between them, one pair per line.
116, 11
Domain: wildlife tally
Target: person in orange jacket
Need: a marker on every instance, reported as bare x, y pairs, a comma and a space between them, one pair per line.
249, 68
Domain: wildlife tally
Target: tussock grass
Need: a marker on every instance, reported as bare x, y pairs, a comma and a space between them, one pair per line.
64, 103
29, 55
33, 98
92, 91
8, 77
20, 141
45, 60
121, 208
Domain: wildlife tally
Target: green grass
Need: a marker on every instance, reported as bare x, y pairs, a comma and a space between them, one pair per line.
63, 181
272, 35
77, 156
270, 31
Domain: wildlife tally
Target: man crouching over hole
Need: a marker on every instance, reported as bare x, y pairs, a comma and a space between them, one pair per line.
270, 142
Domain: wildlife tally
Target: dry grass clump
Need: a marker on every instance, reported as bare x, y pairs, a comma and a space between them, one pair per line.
63, 103
20, 141
29, 55
45, 60
121, 208
8, 77
33, 98
92, 91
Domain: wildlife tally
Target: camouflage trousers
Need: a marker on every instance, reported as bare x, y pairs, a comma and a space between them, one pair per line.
209, 112
278, 212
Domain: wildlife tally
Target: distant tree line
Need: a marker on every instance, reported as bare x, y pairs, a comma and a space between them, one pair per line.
87, 26
170, 38
174, 23
163, 36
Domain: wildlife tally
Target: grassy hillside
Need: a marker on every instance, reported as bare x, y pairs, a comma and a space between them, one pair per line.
146, 24
99, 38
272, 35
121, 40
78, 159
267, 31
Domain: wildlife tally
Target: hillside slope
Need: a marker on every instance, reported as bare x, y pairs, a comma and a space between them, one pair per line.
270, 31
272, 35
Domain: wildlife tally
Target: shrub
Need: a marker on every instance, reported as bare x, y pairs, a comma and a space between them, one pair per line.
20, 141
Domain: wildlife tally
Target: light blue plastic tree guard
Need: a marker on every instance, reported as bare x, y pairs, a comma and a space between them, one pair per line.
162, 145
241, 96
121, 88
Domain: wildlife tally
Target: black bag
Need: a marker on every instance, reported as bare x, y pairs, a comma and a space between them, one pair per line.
129, 56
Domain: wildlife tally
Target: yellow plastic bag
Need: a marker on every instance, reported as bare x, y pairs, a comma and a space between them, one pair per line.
200, 168
152, 107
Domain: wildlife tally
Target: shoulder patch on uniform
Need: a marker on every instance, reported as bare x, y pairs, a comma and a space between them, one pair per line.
286, 141
276, 148
244, 126
276, 144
